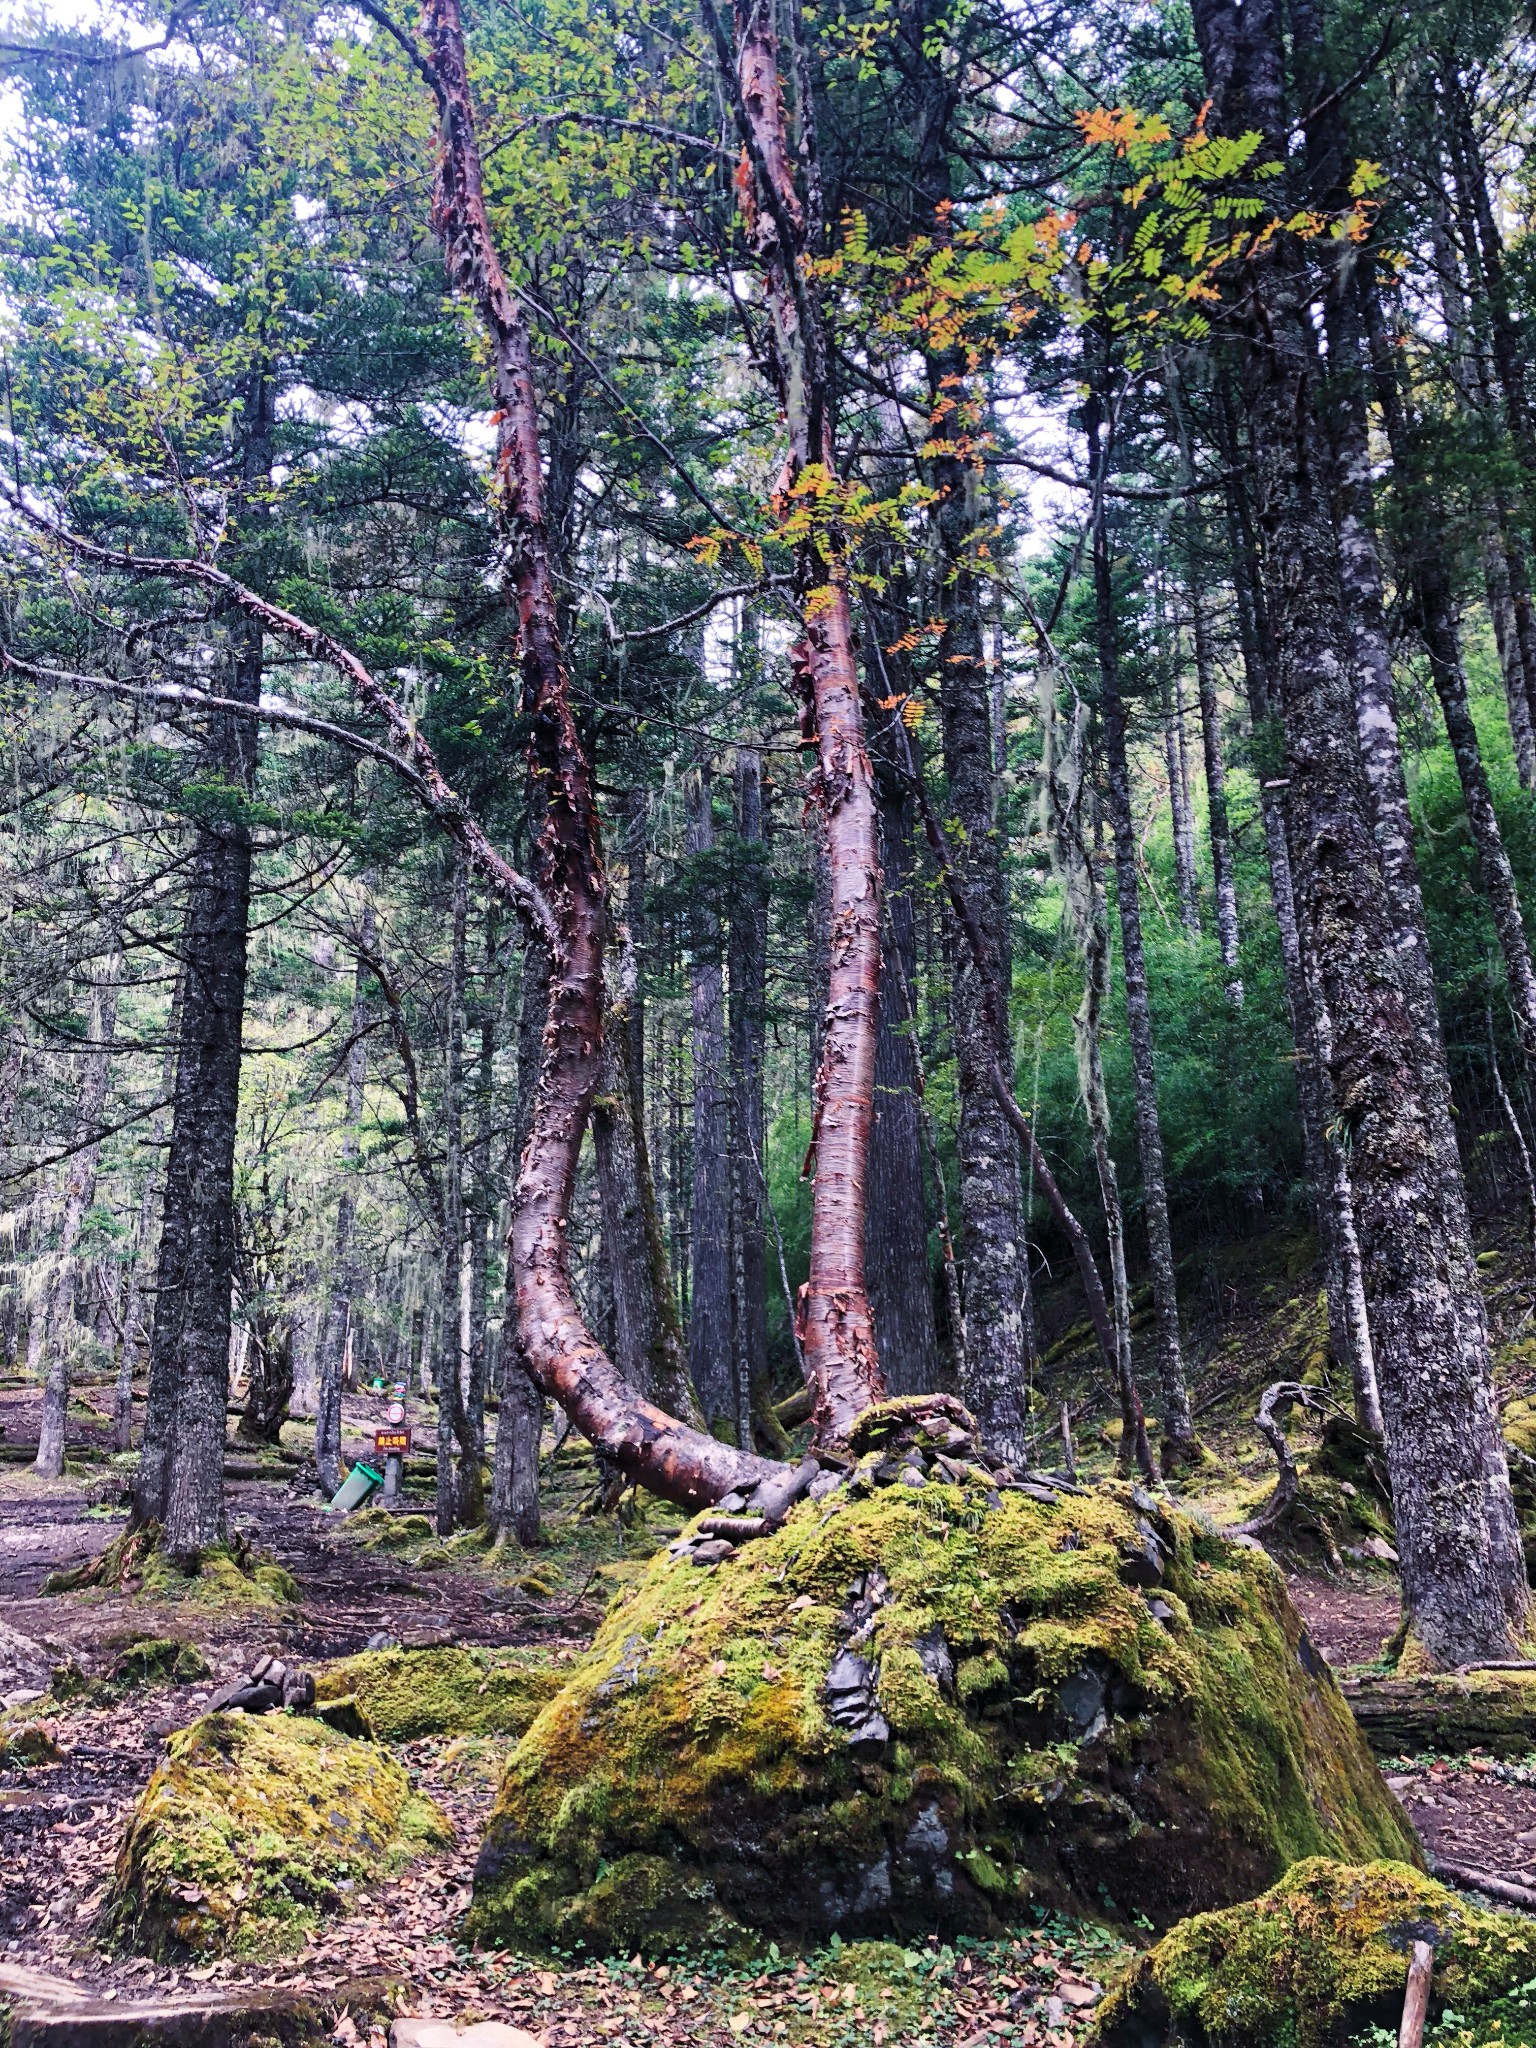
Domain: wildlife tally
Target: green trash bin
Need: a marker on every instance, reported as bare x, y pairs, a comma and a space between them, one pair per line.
355, 1489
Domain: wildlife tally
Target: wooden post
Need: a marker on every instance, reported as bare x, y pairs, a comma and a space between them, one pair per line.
1416, 1998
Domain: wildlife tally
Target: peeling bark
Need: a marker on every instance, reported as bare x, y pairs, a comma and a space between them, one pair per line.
836, 1329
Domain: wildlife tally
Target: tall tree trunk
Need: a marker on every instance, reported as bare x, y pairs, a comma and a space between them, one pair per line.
452, 1429
1434, 604
181, 1467
470, 1498
79, 1193
554, 1344
649, 1347
783, 231
1327, 1166
749, 1002
144, 1234
999, 1311
344, 1272
1222, 867
1181, 806
514, 1505
1179, 1443
711, 1356
900, 1290
1455, 1523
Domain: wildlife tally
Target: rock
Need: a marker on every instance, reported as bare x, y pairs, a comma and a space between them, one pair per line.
989, 1682
407, 1694
715, 1551
381, 1639
25, 1666
444, 2034
32, 1744
1319, 1958
159, 1660
247, 1829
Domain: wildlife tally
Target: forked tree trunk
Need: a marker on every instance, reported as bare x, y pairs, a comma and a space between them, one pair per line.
836, 1330
1463, 1580
554, 1344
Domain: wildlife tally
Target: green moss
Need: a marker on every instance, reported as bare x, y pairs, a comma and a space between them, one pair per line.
1447, 1711
890, 1985
160, 1660
1319, 1957
247, 1829
1052, 1736
221, 1580
407, 1694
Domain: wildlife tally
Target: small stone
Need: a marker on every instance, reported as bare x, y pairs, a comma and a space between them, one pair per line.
715, 1551
912, 1475
1160, 1611
731, 1505
381, 1639
823, 1484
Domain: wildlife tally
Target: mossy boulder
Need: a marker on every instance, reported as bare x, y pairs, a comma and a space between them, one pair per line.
159, 1660
407, 1694
910, 1711
248, 1829
1317, 1960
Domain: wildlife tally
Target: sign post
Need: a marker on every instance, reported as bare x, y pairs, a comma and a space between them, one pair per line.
392, 1444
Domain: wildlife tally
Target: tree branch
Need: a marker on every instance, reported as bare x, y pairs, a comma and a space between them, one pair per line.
415, 758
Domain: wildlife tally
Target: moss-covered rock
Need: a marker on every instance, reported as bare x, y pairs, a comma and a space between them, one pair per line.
29, 1742
1317, 1959
407, 1694
908, 1711
1447, 1711
159, 1660
247, 1829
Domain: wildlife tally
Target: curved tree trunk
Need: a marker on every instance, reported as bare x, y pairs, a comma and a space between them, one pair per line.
554, 1343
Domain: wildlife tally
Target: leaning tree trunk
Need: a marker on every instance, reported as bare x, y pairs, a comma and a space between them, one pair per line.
783, 231
79, 1194
711, 1351
554, 1344
1455, 1521
994, 1254
1179, 1443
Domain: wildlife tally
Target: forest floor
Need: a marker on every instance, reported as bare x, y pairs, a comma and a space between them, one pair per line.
60, 1823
